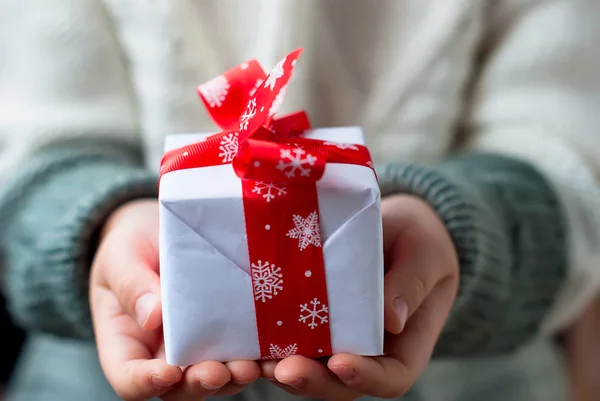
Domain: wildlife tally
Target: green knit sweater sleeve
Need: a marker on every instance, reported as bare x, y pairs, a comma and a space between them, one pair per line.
50, 215
510, 236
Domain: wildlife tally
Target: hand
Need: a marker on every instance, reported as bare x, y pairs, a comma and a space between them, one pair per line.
126, 310
420, 286
582, 354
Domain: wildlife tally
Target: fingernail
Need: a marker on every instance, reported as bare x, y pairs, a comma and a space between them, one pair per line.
297, 384
346, 374
401, 310
143, 308
208, 386
159, 382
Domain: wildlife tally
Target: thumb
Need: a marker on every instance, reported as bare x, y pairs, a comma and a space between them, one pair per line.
411, 231
130, 272
407, 283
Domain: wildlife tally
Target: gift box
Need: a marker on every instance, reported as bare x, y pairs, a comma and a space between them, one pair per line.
270, 232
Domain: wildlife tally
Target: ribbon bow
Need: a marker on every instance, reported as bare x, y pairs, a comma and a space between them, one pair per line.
243, 102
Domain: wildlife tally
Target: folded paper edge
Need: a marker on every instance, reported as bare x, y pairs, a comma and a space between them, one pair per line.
166, 205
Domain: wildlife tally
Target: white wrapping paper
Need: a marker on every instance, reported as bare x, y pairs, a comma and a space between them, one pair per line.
208, 304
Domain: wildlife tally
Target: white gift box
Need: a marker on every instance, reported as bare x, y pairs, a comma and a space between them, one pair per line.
207, 299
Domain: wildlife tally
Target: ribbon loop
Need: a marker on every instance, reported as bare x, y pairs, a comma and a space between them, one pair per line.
268, 97
226, 96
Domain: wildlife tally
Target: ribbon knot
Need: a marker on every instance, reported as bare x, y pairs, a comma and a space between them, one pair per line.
262, 153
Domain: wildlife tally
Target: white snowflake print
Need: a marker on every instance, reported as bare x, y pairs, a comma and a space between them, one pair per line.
307, 231
295, 160
275, 75
228, 147
314, 315
280, 353
249, 113
342, 146
256, 86
266, 280
278, 102
215, 91
271, 189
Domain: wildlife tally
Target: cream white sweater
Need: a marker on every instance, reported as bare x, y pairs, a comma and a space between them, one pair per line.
516, 77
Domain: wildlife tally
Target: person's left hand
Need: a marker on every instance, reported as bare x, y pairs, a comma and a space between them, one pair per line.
420, 286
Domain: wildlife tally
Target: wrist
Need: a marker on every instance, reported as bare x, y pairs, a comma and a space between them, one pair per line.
124, 211
420, 213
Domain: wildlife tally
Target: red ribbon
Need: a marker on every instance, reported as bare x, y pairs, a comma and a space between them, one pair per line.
278, 171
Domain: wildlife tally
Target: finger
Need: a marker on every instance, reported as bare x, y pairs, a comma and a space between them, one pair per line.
414, 346
416, 266
144, 379
267, 369
124, 351
200, 381
131, 273
209, 375
379, 377
406, 285
242, 374
311, 378
268, 372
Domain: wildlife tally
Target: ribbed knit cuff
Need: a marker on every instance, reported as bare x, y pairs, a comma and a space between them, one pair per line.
50, 239
507, 227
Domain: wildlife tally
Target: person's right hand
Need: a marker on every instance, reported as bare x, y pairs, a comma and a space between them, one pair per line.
126, 310
582, 354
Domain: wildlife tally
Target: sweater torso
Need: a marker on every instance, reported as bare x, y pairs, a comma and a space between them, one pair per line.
397, 69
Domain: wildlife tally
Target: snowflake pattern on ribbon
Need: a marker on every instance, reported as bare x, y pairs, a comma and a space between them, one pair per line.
269, 190
281, 353
342, 146
249, 113
275, 74
315, 314
307, 231
256, 86
278, 102
296, 160
229, 147
215, 91
266, 280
